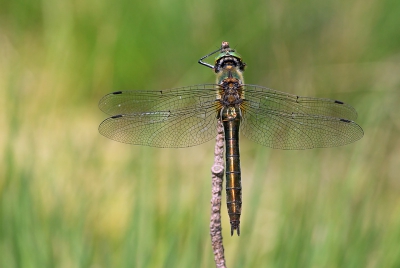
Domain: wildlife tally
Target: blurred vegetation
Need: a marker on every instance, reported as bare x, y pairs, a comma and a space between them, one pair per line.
71, 198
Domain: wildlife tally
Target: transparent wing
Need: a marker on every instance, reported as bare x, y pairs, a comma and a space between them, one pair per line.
270, 99
185, 117
170, 118
284, 121
129, 102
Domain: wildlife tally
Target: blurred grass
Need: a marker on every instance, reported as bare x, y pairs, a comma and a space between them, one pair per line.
71, 198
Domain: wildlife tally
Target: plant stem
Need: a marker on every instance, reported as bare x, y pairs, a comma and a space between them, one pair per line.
217, 172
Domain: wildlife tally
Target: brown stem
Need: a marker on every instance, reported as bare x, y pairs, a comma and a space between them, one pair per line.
217, 172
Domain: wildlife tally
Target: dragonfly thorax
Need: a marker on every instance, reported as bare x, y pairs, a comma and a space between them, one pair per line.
230, 90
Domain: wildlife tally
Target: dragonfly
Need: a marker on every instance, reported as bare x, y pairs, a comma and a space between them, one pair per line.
188, 116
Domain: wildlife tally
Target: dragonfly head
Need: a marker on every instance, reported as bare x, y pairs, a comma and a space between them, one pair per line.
228, 56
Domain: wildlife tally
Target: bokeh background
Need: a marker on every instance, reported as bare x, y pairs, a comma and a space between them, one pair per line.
72, 198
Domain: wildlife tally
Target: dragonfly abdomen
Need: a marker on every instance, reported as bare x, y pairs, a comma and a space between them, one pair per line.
231, 117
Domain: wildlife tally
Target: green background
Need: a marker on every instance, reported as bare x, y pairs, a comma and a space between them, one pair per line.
72, 198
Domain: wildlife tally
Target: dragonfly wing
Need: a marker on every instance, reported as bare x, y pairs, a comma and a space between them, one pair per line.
284, 129
168, 129
130, 102
270, 99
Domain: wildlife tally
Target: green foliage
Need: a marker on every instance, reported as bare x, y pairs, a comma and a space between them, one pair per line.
71, 198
